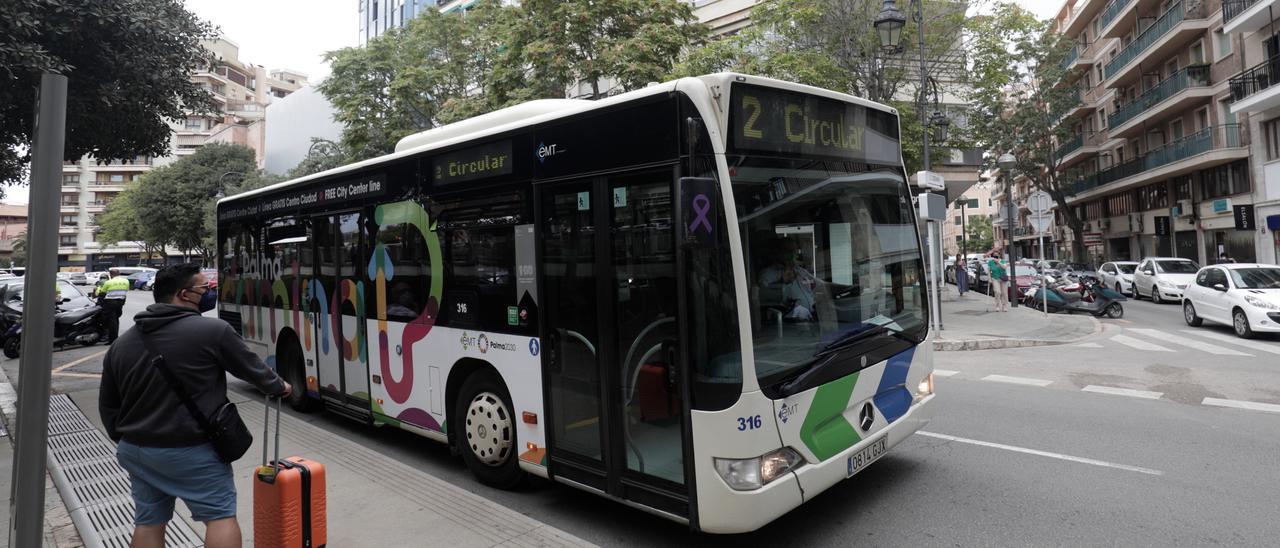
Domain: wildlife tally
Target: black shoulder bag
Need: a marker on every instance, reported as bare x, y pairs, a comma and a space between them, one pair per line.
225, 430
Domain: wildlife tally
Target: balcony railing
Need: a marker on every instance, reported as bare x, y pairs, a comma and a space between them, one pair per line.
1260, 77
1070, 145
1176, 13
1232, 8
1073, 54
1112, 11
1200, 142
1196, 75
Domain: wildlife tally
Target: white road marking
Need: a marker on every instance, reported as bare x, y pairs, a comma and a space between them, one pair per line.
944, 373
1241, 404
1264, 347
79, 361
1122, 392
1089, 345
1017, 380
1140, 345
1201, 346
1037, 452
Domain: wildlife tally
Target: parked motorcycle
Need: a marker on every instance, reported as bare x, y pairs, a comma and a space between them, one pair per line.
1086, 295
85, 326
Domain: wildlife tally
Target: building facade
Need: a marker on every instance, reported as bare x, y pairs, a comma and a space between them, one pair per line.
241, 92
1256, 96
1157, 157
974, 204
13, 227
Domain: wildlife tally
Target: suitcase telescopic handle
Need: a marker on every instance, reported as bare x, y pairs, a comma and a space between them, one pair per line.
266, 421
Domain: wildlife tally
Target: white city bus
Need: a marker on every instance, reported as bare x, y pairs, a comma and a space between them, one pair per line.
703, 298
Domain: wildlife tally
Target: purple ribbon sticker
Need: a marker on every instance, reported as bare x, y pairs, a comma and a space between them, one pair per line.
701, 206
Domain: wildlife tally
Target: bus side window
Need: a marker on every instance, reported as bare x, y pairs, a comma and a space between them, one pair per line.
407, 290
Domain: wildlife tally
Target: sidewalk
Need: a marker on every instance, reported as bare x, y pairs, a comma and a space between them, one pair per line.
972, 323
372, 499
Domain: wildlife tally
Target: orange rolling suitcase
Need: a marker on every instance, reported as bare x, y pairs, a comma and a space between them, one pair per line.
288, 497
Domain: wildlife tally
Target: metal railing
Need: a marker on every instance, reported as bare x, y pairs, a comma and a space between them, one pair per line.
1073, 54
1196, 75
1112, 11
1176, 13
1232, 8
1200, 142
1070, 145
1259, 77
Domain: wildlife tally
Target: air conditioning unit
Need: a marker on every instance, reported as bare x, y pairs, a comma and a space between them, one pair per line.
1185, 209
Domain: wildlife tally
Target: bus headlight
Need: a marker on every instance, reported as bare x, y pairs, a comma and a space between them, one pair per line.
925, 388
754, 473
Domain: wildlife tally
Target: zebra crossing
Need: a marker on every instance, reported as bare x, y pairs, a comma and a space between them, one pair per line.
1156, 340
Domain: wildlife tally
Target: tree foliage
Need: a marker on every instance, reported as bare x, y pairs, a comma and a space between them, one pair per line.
978, 234
1021, 96
173, 205
442, 68
128, 64
833, 44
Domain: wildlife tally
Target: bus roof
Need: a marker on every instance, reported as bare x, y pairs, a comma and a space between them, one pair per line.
535, 112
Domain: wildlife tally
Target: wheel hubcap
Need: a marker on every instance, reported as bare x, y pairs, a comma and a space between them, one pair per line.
1240, 323
489, 429
1189, 313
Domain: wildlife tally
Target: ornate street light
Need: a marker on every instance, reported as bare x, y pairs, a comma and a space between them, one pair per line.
220, 195
941, 126
889, 26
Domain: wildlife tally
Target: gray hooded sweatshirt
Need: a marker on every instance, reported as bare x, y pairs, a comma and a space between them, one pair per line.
136, 403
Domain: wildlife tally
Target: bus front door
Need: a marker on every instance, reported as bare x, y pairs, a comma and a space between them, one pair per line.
612, 365
341, 359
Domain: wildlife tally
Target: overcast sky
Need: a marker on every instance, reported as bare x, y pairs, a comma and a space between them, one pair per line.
295, 34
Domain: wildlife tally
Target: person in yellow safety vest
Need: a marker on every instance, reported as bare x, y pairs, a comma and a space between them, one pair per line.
111, 296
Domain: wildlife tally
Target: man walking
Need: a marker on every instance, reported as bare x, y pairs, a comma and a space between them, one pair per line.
160, 443
111, 296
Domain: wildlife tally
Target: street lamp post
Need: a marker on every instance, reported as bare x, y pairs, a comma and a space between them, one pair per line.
889, 24
222, 179
1006, 163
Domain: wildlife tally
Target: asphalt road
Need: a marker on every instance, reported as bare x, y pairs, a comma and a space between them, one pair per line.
1108, 442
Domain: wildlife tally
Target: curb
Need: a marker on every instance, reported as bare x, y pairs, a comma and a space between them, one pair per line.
959, 345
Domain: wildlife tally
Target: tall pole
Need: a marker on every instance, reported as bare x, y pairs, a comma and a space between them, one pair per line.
1010, 212
964, 234
27, 494
924, 86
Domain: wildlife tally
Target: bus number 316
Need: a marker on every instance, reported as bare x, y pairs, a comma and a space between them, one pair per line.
749, 423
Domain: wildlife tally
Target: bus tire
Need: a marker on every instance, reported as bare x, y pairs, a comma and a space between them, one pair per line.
292, 369
486, 430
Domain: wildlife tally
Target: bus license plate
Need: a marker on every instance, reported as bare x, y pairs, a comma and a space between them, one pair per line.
867, 455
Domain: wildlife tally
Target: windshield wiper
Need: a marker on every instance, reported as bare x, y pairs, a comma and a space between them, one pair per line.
849, 338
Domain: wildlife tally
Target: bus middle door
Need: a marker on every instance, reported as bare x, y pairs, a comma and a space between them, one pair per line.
341, 355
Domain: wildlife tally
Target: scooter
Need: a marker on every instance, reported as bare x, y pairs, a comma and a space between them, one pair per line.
85, 326
1094, 298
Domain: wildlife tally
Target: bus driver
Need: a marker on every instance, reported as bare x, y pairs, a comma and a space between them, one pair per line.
786, 273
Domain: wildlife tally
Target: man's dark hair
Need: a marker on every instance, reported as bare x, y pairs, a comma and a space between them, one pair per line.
172, 278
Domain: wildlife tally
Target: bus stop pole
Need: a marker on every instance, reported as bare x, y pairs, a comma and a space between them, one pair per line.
31, 433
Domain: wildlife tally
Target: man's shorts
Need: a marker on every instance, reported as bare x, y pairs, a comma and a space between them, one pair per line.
193, 474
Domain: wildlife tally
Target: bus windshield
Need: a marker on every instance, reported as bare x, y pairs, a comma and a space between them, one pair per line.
830, 252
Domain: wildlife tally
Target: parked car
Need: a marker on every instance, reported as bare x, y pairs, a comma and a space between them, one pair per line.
1050, 264
138, 280
78, 278
1163, 278
1118, 275
1244, 296
1025, 275
64, 276
1080, 269
12, 291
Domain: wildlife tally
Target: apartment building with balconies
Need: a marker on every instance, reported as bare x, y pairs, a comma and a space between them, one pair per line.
241, 91
975, 203
1156, 157
1256, 95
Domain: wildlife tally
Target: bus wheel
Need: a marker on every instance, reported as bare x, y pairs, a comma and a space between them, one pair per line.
296, 373
486, 431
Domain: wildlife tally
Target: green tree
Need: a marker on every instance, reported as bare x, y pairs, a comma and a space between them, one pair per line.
628, 43
978, 234
833, 44
121, 223
1021, 96
128, 63
323, 155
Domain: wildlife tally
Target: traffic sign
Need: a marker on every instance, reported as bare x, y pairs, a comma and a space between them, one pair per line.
1040, 222
1039, 202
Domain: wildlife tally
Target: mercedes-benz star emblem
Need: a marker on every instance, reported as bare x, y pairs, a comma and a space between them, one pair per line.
866, 417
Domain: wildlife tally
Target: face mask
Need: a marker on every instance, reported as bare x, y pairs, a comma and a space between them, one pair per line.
208, 301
